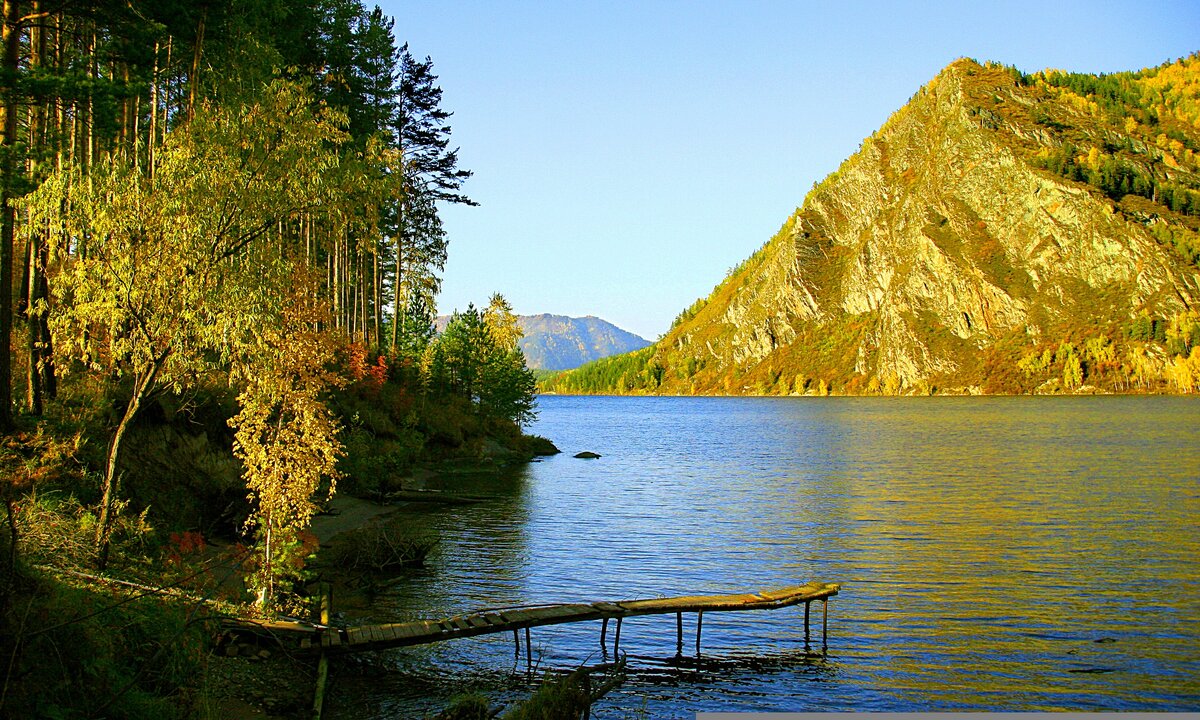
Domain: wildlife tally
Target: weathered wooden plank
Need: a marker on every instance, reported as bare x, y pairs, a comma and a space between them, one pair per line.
669, 604
560, 612
403, 631
789, 592
385, 635
515, 617
548, 613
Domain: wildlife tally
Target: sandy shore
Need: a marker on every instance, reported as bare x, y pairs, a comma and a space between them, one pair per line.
280, 687
347, 513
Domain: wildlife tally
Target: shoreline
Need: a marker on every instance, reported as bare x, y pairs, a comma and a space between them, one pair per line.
280, 687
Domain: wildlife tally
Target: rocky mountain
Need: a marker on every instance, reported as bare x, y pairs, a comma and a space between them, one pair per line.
1002, 232
558, 342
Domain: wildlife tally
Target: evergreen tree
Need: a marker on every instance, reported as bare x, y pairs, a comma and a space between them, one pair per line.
431, 174
418, 329
507, 388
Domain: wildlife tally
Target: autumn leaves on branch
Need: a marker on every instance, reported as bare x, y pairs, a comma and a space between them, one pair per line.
219, 192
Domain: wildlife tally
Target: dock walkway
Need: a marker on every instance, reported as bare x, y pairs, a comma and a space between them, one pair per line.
318, 638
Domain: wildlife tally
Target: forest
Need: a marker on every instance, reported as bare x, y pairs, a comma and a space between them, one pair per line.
220, 224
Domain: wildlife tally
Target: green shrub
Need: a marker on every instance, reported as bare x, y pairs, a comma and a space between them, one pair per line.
79, 652
566, 698
466, 707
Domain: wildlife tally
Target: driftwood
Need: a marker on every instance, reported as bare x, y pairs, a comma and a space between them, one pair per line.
382, 547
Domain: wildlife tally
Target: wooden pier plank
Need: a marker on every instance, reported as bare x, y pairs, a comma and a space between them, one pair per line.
386, 635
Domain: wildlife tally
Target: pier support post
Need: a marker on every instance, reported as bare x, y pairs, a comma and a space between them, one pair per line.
825, 628
679, 634
603, 633
528, 652
699, 624
807, 607
617, 638
323, 664
517, 644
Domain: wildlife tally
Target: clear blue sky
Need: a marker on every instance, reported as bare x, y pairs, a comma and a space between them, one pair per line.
626, 154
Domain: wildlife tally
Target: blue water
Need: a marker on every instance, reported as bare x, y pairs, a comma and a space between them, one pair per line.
995, 554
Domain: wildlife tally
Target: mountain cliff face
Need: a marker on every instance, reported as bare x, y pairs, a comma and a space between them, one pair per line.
1001, 233
557, 342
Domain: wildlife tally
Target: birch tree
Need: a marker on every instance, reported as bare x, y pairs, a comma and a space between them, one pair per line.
180, 273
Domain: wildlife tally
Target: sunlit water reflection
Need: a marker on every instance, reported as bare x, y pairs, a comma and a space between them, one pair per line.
995, 554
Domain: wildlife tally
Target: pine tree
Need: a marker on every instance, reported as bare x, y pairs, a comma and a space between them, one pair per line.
431, 174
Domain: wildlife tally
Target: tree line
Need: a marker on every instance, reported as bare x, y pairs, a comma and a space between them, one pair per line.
246, 190
92, 89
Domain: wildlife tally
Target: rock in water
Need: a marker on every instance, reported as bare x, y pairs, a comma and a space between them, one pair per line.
585, 455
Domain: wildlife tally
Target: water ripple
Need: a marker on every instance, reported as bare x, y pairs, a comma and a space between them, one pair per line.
986, 547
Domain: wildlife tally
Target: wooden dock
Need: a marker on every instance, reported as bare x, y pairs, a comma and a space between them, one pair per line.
317, 638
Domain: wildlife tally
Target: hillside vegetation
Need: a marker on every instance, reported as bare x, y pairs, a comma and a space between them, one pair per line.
1001, 233
219, 244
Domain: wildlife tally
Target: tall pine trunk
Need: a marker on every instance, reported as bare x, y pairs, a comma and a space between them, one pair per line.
35, 300
376, 299
10, 38
194, 78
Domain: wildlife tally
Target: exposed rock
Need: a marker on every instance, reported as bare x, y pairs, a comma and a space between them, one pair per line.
939, 246
540, 446
587, 455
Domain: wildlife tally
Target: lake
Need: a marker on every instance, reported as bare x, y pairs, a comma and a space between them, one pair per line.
1025, 553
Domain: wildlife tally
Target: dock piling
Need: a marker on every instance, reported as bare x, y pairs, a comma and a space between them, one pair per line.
323, 664
699, 624
679, 634
825, 628
806, 631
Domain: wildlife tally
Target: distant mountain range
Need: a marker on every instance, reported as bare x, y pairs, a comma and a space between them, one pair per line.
1001, 233
558, 342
